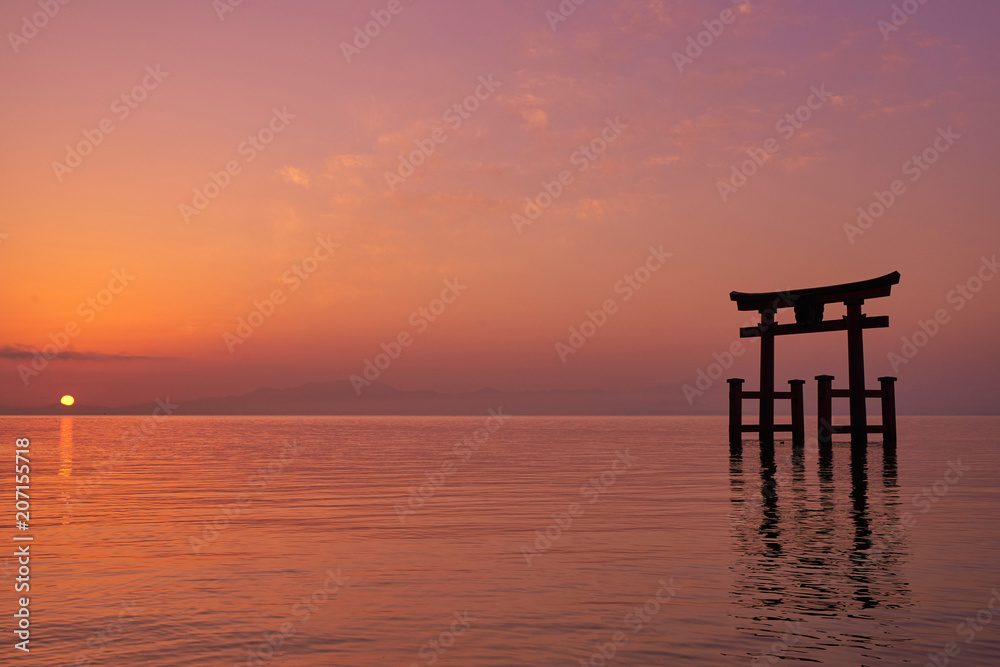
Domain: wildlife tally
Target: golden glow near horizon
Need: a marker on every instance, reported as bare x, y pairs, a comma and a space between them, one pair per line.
67, 400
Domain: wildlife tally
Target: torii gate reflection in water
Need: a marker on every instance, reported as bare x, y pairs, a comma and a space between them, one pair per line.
808, 306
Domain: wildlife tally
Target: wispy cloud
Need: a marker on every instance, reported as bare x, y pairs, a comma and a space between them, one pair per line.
293, 175
25, 353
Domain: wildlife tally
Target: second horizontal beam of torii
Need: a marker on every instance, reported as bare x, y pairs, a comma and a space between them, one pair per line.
880, 322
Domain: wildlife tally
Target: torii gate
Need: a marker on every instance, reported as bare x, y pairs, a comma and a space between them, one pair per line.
808, 306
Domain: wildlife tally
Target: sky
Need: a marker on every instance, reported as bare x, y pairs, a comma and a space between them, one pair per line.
202, 198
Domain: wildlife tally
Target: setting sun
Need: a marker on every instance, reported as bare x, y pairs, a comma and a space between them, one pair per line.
67, 400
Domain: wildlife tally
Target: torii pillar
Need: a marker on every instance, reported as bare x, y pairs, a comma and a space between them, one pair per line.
766, 411
856, 374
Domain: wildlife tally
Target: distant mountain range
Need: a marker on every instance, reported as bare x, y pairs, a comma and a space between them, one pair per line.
339, 398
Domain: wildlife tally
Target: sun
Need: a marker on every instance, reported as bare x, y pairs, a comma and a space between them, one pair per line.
67, 400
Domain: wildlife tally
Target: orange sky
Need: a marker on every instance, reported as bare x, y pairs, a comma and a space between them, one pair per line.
665, 130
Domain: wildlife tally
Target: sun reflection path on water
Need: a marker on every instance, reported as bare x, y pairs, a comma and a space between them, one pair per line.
66, 447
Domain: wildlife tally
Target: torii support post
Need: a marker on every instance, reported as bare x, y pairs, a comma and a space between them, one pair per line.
824, 413
888, 415
798, 414
737, 428
735, 416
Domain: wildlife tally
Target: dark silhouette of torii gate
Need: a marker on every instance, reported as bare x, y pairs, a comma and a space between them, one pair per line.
808, 307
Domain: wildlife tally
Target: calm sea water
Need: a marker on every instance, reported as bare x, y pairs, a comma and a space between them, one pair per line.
551, 541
